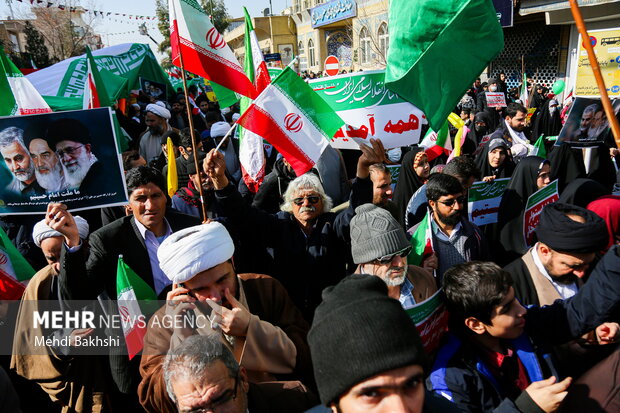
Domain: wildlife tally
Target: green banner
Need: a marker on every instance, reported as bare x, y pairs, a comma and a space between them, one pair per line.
484, 199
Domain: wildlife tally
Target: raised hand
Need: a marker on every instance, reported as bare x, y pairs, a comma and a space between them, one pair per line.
59, 219
233, 322
178, 302
214, 166
370, 155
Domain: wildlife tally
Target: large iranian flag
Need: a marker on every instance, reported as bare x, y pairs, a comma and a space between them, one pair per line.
251, 152
294, 118
17, 95
129, 289
203, 49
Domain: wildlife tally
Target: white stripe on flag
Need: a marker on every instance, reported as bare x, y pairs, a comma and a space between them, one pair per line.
310, 140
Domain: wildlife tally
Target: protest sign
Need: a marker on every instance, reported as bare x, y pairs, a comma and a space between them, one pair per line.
431, 320
586, 124
394, 174
606, 44
67, 157
496, 100
370, 110
533, 208
484, 199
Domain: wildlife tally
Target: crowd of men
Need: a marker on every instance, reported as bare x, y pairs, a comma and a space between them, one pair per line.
309, 286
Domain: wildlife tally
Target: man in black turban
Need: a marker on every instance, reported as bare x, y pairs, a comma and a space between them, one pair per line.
568, 239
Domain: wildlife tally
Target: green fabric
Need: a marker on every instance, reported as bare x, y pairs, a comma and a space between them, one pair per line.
540, 148
437, 49
126, 278
225, 96
102, 89
8, 104
22, 268
59, 103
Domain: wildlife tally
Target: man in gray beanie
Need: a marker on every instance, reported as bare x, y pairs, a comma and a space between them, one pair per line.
366, 352
380, 248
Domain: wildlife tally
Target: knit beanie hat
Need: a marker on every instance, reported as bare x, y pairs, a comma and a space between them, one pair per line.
359, 332
374, 234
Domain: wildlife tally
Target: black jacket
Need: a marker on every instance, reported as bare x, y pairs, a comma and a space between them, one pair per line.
271, 192
304, 265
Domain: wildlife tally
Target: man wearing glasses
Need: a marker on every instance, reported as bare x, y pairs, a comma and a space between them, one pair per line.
308, 243
202, 375
71, 141
455, 239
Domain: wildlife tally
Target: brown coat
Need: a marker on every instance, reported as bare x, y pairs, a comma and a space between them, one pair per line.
275, 347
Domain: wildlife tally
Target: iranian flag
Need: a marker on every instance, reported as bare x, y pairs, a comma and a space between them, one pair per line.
524, 93
296, 120
437, 143
12, 262
203, 49
421, 242
18, 96
129, 289
90, 98
251, 152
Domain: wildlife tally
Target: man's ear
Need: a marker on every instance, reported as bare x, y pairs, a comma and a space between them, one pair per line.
432, 204
475, 325
243, 376
544, 250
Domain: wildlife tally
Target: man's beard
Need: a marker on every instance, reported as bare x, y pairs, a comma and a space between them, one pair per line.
156, 130
52, 180
75, 174
451, 219
395, 276
24, 175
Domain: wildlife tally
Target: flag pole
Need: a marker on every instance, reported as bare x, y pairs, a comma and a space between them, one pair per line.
596, 70
191, 130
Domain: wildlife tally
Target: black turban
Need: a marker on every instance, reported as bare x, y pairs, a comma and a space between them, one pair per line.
564, 234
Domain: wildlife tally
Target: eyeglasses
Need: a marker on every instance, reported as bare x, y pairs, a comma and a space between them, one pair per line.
69, 150
386, 259
450, 202
313, 199
226, 397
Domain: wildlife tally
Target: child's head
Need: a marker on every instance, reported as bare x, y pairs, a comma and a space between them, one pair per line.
480, 299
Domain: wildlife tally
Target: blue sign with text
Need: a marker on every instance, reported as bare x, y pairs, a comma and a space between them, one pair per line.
332, 11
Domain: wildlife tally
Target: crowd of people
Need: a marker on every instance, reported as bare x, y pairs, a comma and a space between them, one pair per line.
313, 297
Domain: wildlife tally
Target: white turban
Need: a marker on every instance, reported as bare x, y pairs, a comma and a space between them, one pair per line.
193, 250
235, 117
41, 231
158, 110
219, 129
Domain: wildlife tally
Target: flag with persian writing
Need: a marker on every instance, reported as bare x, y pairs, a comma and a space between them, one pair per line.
17, 95
251, 152
95, 93
294, 119
437, 143
441, 44
11, 260
203, 49
130, 288
421, 242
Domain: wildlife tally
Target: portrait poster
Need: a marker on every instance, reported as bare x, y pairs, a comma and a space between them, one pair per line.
69, 157
153, 89
586, 125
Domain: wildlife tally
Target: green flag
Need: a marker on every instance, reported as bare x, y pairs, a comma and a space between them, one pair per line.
437, 49
539, 148
8, 104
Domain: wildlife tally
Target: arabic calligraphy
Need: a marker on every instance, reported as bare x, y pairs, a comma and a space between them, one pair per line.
400, 126
333, 11
359, 89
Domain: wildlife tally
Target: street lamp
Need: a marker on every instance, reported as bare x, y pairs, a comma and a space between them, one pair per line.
144, 32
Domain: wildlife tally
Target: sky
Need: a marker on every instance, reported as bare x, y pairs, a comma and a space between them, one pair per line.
114, 32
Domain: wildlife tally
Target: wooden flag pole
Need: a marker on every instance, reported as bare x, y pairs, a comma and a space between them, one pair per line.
192, 133
585, 38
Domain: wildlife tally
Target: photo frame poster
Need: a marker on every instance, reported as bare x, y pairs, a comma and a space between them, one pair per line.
286, 53
586, 125
69, 157
152, 88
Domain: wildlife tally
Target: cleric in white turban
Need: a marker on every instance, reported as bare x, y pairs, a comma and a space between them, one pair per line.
193, 250
158, 109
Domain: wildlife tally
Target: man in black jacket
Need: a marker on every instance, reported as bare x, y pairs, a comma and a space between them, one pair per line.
84, 275
307, 241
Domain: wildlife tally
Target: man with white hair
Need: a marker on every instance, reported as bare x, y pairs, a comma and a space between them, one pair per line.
19, 163
250, 313
307, 242
48, 168
156, 119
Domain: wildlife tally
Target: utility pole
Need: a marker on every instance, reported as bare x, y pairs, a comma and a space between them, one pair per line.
10, 4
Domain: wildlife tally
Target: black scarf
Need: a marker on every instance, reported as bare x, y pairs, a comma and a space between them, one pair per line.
408, 183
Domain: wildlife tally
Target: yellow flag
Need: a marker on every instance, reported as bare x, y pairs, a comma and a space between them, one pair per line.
173, 181
458, 123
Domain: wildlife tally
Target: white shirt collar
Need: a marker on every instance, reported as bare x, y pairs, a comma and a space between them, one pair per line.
565, 290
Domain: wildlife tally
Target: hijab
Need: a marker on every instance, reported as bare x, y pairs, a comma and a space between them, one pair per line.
608, 208
512, 205
582, 191
504, 170
408, 183
567, 165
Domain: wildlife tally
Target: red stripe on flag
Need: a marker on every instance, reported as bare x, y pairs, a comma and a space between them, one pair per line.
262, 124
10, 289
135, 341
94, 95
251, 183
435, 151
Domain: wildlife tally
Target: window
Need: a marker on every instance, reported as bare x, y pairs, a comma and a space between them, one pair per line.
311, 60
384, 39
306, 4
300, 48
364, 46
